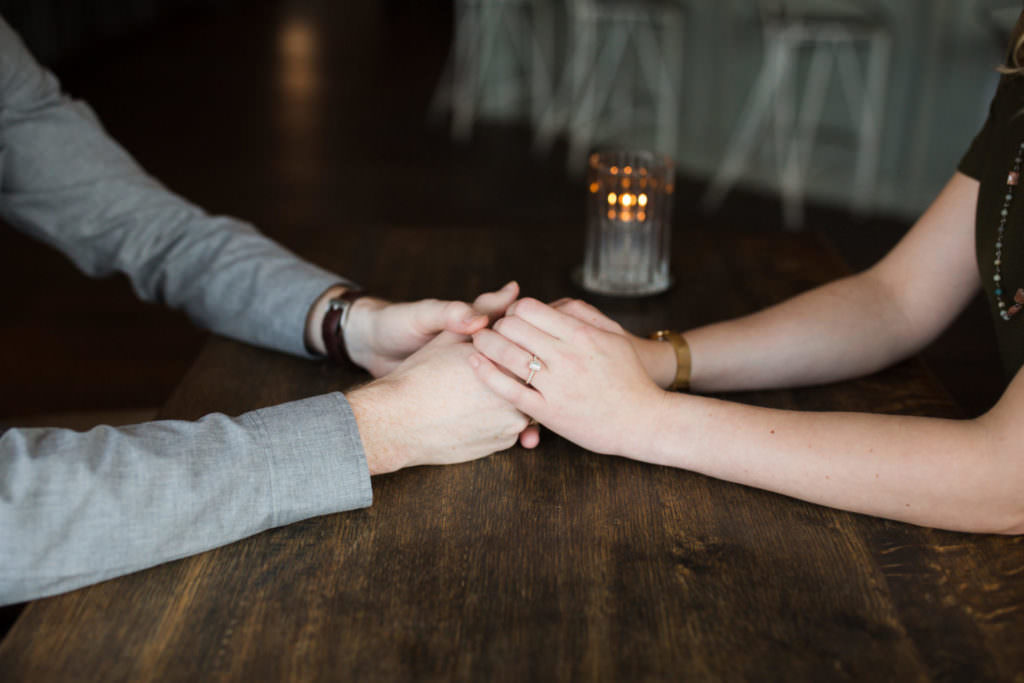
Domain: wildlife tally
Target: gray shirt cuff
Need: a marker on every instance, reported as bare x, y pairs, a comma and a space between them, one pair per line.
315, 459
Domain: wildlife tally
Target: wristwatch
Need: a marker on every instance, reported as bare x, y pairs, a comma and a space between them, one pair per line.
683, 362
333, 329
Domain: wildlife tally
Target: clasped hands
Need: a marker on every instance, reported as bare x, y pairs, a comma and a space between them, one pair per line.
451, 388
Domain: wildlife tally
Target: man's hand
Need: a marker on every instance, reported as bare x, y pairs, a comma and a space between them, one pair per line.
380, 335
432, 410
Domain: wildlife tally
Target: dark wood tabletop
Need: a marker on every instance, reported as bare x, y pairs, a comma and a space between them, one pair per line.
555, 564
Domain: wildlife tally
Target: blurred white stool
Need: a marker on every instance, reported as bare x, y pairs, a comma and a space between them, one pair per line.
833, 42
487, 32
624, 63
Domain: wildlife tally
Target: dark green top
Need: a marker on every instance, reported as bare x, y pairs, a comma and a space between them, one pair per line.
989, 160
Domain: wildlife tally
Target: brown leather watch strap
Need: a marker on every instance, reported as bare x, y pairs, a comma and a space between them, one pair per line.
333, 328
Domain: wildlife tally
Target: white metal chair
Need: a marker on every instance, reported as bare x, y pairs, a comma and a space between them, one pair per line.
833, 40
485, 33
623, 70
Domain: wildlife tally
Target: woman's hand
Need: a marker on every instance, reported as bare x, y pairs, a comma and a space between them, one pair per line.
658, 358
592, 388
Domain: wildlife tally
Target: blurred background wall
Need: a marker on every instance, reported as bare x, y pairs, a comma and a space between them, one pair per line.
936, 79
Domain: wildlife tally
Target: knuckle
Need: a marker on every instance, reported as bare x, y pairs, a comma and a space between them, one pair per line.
510, 325
528, 304
514, 429
581, 333
521, 423
456, 308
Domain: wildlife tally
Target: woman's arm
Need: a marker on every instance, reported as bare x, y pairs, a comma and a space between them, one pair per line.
846, 328
965, 475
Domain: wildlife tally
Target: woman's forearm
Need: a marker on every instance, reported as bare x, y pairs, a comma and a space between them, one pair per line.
953, 474
858, 324
844, 329
593, 390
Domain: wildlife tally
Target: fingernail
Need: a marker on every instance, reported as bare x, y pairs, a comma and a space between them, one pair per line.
509, 285
472, 317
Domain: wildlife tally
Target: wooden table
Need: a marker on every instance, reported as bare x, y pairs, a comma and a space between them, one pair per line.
555, 564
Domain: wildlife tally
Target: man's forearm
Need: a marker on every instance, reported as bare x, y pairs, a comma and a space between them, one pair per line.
84, 507
70, 185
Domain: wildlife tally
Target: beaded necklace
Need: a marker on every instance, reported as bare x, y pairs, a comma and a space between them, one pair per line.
1018, 298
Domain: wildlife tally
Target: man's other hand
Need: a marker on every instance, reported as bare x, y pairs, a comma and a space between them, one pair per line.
380, 335
432, 410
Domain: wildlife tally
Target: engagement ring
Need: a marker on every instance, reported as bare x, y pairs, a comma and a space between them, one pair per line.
534, 367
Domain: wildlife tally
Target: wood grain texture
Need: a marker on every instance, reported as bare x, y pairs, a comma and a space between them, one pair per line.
553, 564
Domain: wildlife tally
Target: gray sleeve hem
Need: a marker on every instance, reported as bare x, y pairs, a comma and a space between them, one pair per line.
315, 458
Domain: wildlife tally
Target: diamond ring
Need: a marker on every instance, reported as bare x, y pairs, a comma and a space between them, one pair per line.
534, 367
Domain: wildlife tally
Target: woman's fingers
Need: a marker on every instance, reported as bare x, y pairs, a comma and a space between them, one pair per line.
506, 354
528, 337
525, 399
581, 310
544, 317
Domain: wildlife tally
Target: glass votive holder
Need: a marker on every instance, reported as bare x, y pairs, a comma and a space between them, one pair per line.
629, 223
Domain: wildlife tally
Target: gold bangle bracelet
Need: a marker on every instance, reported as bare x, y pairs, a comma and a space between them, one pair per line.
683, 362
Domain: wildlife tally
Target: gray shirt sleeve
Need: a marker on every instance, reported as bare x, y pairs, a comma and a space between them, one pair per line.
64, 181
81, 507
76, 508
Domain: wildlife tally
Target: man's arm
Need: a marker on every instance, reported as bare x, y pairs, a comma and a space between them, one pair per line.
80, 507
77, 508
64, 181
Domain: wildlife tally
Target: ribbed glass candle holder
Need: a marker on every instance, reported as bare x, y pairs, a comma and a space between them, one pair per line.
629, 223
